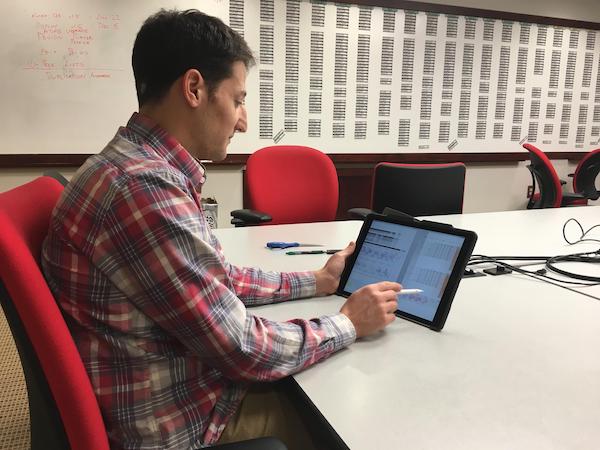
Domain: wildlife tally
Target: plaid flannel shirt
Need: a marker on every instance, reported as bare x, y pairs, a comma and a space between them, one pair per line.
157, 313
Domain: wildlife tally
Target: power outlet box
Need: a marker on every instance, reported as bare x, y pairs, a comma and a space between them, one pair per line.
498, 270
529, 191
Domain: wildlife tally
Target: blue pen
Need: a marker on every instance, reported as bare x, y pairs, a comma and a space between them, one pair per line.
277, 244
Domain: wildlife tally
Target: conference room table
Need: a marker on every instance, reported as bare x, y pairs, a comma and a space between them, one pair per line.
517, 365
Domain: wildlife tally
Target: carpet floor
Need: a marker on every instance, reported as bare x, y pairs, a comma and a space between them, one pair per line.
14, 409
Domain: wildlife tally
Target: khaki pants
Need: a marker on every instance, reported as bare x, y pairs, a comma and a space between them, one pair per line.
268, 411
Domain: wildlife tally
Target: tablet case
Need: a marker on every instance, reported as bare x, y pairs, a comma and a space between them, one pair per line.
443, 308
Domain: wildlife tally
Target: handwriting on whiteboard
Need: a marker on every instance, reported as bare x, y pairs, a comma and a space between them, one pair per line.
66, 45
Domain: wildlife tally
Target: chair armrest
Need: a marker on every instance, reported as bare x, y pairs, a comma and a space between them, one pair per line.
57, 176
359, 213
573, 199
245, 217
387, 211
573, 196
562, 182
571, 175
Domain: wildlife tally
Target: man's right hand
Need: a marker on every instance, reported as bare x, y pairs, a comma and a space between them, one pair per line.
371, 308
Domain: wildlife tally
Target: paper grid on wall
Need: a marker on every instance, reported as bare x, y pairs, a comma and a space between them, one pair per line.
353, 79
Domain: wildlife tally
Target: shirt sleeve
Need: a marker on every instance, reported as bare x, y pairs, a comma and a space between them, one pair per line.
256, 287
152, 247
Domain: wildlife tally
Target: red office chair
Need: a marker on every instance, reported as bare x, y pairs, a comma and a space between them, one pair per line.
289, 184
416, 189
550, 193
584, 178
62, 405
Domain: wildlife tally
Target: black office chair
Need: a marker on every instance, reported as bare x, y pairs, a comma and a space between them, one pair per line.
416, 189
584, 178
549, 186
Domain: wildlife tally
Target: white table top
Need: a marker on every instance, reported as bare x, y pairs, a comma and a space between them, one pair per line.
516, 366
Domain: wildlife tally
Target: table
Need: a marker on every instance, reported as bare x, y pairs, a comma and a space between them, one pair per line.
517, 365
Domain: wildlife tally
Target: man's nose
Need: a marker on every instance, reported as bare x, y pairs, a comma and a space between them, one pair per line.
242, 124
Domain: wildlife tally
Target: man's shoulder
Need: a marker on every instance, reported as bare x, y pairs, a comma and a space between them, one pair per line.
123, 162
122, 170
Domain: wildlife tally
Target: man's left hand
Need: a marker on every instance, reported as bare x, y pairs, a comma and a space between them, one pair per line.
328, 278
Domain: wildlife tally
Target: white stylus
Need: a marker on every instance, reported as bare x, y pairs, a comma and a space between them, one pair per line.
410, 291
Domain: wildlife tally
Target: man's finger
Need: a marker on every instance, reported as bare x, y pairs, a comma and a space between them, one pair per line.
349, 249
388, 286
350, 246
391, 306
389, 319
390, 296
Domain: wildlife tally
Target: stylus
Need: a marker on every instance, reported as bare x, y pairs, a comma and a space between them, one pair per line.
410, 291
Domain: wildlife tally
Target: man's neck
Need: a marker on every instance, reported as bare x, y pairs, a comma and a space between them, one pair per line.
171, 121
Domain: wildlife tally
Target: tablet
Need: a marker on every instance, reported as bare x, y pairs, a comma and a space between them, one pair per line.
418, 254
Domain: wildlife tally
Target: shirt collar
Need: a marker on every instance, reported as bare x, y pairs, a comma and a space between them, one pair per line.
157, 139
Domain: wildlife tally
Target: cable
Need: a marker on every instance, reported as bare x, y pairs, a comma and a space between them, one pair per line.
550, 263
514, 258
578, 257
544, 278
583, 233
498, 261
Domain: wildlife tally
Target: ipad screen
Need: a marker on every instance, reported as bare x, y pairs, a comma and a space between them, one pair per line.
416, 258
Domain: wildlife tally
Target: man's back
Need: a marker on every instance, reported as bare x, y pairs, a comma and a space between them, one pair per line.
157, 313
139, 371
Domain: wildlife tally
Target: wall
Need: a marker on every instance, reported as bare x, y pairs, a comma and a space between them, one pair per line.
495, 187
441, 70
498, 187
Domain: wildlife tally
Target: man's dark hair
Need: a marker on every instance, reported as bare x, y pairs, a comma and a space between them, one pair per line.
172, 42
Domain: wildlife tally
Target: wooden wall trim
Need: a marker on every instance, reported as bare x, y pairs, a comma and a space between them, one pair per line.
68, 160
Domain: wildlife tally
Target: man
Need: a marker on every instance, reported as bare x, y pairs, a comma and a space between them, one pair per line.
158, 314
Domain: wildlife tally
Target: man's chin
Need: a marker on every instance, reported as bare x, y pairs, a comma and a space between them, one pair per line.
215, 155
219, 156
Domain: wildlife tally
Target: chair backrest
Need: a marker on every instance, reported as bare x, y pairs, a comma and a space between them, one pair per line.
543, 172
292, 184
419, 189
584, 178
63, 408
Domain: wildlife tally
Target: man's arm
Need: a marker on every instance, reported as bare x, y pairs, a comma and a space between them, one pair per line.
153, 249
250, 288
255, 287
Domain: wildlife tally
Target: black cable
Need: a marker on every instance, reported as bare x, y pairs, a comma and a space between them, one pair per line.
550, 262
514, 258
578, 257
583, 233
498, 261
544, 278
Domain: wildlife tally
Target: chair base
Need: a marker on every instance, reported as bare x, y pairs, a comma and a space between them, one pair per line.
266, 443
46, 427
569, 199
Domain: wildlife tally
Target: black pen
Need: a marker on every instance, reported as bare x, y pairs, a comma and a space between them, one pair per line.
312, 252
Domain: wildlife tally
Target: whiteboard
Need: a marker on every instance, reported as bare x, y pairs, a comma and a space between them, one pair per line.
66, 81
339, 77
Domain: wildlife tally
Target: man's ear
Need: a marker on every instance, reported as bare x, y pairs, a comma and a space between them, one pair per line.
194, 88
